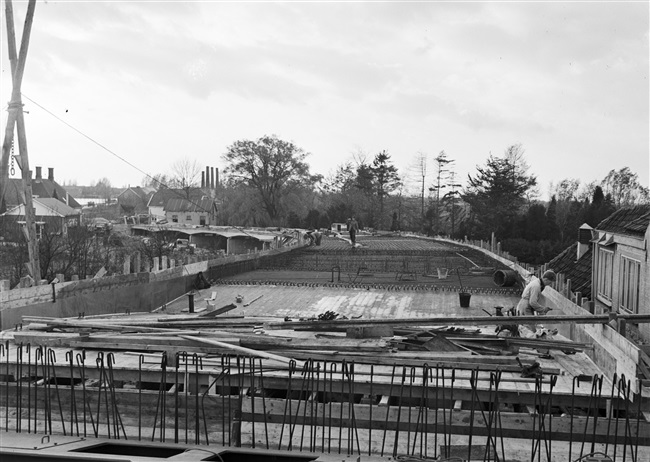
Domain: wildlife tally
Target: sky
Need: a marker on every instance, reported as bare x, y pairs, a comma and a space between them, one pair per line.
121, 89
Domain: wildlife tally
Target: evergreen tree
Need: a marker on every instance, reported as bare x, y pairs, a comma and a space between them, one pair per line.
535, 223
386, 178
600, 208
497, 196
552, 228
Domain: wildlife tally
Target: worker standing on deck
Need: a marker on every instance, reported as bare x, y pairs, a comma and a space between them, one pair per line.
530, 305
353, 229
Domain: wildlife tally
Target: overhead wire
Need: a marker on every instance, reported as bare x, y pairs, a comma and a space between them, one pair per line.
91, 139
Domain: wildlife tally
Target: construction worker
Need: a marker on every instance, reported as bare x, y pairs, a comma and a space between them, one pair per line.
530, 305
353, 229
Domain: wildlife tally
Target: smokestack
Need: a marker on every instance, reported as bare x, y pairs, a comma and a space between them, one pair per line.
50, 174
202, 179
584, 239
216, 177
38, 173
212, 177
207, 177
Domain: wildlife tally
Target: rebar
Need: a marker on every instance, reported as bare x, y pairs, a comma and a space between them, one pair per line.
309, 415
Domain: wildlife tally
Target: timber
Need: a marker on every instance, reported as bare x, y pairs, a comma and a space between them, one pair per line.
460, 320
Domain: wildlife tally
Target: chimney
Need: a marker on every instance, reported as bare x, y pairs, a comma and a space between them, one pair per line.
38, 173
50, 174
584, 239
202, 179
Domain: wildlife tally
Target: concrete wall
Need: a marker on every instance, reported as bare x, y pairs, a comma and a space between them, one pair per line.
116, 294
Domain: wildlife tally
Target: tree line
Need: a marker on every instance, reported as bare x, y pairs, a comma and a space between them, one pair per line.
267, 182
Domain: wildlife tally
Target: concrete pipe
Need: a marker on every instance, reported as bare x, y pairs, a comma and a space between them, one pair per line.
505, 278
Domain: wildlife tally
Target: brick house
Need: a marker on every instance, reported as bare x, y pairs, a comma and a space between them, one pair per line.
52, 216
157, 204
134, 200
621, 266
202, 212
41, 188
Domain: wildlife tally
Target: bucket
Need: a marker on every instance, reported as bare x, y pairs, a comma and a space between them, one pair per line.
464, 299
505, 278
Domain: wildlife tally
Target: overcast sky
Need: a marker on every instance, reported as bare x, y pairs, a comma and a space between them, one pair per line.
156, 82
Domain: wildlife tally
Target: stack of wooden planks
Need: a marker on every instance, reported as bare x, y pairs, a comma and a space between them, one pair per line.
223, 334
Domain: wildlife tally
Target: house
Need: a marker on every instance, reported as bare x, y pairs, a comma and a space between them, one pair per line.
621, 269
158, 201
202, 212
134, 200
575, 262
52, 216
41, 188
339, 227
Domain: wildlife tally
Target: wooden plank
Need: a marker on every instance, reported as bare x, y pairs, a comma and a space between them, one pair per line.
389, 360
144, 347
410, 419
466, 320
248, 351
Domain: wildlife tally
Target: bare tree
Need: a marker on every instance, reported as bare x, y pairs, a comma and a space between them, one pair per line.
442, 174
103, 189
515, 155
624, 188
419, 168
185, 173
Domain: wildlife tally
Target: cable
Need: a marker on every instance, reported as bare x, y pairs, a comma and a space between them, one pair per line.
91, 139
160, 183
121, 158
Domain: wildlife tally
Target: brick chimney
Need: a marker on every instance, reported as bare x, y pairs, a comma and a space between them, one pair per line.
50, 174
38, 173
584, 239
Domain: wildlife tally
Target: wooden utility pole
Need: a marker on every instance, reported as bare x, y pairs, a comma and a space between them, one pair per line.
16, 119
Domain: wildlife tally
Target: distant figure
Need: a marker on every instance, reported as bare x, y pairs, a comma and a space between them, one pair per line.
529, 304
353, 229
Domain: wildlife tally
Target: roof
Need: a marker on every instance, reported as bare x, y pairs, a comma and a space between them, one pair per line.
631, 221
55, 205
140, 192
175, 204
42, 188
160, 197
58, 206
578, 271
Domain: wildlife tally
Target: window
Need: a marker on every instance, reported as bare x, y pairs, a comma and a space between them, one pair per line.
605, 274
175, 218
188, 217
630, 278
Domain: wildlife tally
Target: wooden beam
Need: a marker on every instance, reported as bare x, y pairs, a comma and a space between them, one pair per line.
16, 118
409, 418
248, 351
465, 320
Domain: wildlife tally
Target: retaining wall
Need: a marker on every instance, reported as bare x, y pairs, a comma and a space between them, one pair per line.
135, 292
